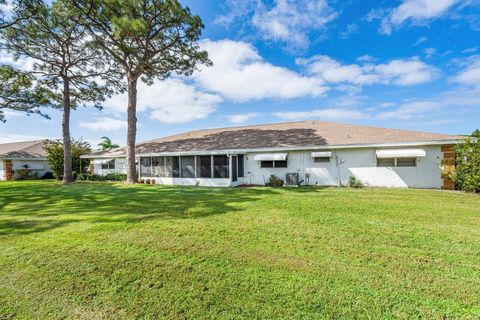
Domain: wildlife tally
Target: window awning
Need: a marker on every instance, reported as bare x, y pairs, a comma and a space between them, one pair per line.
101, 161
270, 157
321, 154
400, 153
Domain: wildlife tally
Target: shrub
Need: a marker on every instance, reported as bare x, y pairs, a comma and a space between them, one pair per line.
354, 182
54, 150
89, 177
116, 176
467, 170
274, 181
47, 176
25, 173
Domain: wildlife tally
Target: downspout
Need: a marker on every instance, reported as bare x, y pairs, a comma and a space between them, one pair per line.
338, 162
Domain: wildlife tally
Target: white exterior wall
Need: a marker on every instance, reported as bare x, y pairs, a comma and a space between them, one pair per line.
32, 164
119, 167
360, 163
426, 174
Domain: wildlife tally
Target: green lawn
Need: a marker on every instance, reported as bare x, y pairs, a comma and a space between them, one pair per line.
109, 251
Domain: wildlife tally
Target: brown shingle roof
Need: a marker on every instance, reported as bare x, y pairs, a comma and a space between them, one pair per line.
25, 149
279, 135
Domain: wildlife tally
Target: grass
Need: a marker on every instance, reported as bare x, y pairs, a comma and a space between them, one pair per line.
109, 251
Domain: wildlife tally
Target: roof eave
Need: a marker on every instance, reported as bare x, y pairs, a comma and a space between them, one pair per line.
272, 149
27, 159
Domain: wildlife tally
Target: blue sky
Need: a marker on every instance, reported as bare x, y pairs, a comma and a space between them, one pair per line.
412, 64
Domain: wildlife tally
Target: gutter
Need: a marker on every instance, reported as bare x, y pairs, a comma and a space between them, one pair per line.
25, 159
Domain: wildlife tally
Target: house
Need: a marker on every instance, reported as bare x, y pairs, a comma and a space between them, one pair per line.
308, 152
18, 155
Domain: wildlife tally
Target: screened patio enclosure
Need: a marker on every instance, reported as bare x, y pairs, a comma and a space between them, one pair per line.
193, 167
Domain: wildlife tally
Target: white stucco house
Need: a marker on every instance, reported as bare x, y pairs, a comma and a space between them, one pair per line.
18, 155
306, 153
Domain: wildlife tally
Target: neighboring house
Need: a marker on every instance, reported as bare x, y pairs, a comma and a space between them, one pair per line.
312, 152
18, 155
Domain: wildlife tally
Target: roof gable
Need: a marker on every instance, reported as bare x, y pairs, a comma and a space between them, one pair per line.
23, 150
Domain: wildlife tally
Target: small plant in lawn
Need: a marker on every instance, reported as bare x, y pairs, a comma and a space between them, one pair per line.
354, 182
274, 181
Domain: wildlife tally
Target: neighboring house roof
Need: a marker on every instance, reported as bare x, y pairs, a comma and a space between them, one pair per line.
23, 150
278, 135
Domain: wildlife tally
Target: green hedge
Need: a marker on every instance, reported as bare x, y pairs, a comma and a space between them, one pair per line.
116, 176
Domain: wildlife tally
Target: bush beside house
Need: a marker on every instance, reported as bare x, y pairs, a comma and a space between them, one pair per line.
54, 150
466, 173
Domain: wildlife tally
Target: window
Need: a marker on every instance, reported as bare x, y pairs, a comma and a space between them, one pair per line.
266, 164
406, 162
220, 167
280, 164
241, 166
158, 166
321, 159
386, 162
274, 164
204, 166
145, 167
188, 167
397, 162
109, 165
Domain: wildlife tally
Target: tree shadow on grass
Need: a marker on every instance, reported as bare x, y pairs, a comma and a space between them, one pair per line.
37, 207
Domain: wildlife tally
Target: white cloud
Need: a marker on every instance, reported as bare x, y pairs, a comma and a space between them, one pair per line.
429, 52
332, 71
461, 101
25, 64
410, 110
387, 104
8, 138
351, 29
104, 124
418, 12
169, 101
332, 114
366, 58
239, 73
407, 72
291, 22
419, 41
470, 50
470, 75
12, 113
402, 72
242, 117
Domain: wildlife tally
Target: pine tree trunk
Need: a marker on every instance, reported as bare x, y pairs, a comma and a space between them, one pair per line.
131, 131
67, 146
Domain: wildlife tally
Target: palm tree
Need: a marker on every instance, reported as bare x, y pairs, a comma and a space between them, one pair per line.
107, 144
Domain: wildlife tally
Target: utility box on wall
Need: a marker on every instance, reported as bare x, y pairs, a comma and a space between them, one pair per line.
292, 179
